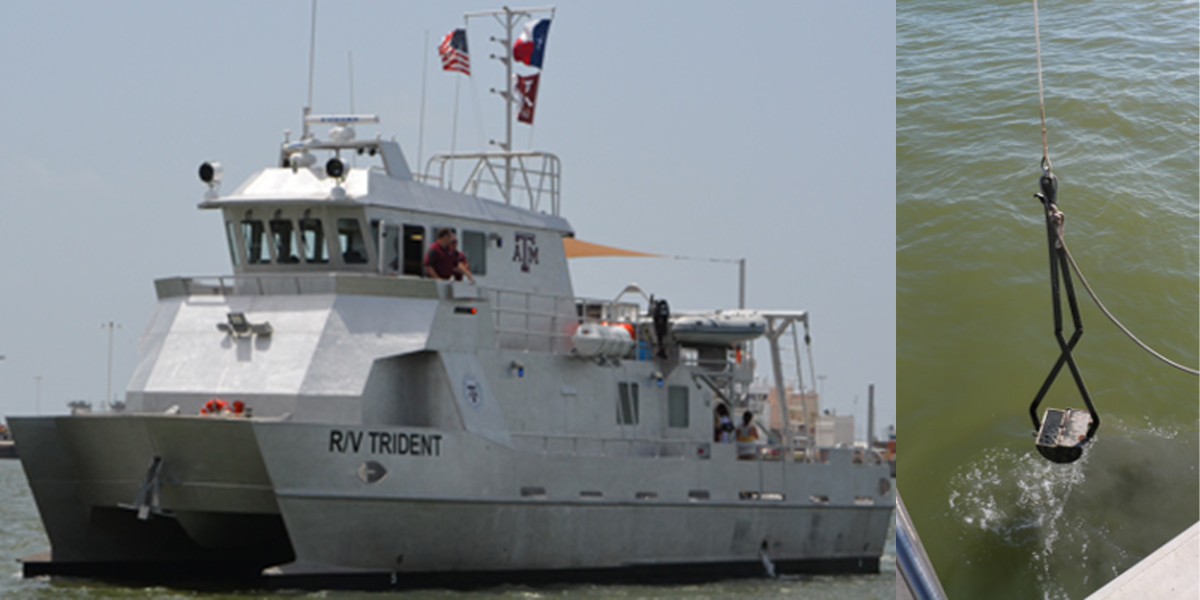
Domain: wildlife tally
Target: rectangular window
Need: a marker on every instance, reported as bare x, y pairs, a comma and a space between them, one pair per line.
254, 235
391, 249
627, 407
414, 250
354, 250
387, 245
231, 231
313, 237
283, 234
474, 245
677, 406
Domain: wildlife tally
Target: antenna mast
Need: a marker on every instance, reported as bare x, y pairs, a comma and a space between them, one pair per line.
507, 17
312, 54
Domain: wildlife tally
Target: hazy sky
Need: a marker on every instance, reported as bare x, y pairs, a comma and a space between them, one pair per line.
686, 128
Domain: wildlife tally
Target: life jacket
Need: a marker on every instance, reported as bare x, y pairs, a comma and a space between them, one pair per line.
214, 406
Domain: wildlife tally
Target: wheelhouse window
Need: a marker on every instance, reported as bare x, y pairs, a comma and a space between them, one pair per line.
474, 245
254, 235
414, 249
312, 236
388, 239
283, 234
231, 233
354, 249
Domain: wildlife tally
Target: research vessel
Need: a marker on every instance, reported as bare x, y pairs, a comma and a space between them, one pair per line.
329, 414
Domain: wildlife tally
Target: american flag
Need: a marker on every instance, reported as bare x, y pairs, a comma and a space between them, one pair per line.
453, 51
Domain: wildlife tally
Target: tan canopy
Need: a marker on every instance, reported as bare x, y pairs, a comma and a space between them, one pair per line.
580, 249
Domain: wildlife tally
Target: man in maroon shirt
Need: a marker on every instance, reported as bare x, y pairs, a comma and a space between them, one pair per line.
443, 260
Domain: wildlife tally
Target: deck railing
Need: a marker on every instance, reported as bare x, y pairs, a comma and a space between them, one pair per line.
531, 176
289, 284
532, 322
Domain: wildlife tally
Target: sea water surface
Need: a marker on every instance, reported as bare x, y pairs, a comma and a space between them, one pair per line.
975, 328
21, 534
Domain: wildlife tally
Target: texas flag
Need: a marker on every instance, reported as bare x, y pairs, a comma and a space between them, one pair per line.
531, 44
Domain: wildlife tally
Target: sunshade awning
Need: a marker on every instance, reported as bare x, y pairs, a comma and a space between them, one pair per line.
581, 249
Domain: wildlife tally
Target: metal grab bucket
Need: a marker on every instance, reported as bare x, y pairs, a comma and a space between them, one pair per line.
1063, 434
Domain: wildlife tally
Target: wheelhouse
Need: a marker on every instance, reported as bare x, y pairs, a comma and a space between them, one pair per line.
308, 238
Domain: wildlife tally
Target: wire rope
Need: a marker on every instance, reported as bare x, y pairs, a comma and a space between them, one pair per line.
1062, 242
1103, 309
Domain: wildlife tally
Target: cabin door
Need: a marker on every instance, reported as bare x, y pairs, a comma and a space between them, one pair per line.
771, 478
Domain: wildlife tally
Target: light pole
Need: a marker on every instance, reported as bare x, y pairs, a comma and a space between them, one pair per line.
108, 389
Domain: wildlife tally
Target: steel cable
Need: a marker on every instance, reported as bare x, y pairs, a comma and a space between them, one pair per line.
1062, 242
1096, 299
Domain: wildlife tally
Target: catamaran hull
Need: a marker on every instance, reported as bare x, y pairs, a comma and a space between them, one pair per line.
322, 504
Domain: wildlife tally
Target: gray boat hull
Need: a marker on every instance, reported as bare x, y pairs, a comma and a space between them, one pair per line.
248, 498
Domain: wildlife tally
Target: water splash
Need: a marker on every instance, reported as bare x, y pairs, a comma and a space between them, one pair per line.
1021, 500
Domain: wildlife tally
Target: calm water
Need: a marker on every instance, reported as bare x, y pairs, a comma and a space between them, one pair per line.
974, 337
21, 534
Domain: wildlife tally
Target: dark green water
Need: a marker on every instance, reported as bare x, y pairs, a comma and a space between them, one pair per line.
21, 535
974, 333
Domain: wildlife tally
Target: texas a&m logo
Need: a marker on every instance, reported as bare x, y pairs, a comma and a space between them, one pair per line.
525, 250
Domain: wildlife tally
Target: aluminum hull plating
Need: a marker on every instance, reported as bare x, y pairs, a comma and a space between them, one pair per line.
478, 506
250, 495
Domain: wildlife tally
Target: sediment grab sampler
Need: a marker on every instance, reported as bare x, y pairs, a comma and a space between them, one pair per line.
1062, 433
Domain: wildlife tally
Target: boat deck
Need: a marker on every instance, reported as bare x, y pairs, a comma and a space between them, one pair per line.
1169, 573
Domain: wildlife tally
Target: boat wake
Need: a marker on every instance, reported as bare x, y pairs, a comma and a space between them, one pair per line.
1020, 500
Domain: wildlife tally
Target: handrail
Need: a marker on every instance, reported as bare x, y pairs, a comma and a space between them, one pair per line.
538, 182
917, 572
262, 284
520, 326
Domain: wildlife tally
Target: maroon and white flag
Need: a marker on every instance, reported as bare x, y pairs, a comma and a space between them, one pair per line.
526, 87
